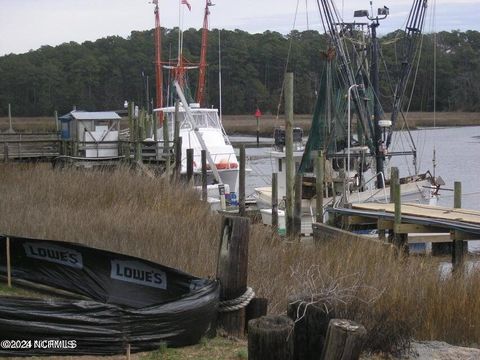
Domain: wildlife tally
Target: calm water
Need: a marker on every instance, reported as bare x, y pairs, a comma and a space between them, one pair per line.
457, 157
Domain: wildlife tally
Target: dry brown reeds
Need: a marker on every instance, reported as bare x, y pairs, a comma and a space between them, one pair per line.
395, 298
246, 124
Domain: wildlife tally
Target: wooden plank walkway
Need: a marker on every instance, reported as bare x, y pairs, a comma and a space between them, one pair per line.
425, 211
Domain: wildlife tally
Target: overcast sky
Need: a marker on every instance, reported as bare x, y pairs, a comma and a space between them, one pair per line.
29, 24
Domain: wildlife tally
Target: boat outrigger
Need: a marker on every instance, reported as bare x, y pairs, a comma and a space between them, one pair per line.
200, 127
356, 165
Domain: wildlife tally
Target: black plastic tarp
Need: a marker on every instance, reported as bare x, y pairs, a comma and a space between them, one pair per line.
131, 301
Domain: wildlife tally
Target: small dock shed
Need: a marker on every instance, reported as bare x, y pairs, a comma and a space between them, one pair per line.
97, 133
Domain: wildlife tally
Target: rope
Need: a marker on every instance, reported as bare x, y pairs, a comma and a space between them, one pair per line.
238, 303
287, 62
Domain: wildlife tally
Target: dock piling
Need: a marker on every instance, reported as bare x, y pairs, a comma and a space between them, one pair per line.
241, 185
290, 165
275, 202
189, 165
5, 152
57, 127
458, 245
320, 179
400, 239
297, 210
457, 195
178, 157
232, 271
204, 175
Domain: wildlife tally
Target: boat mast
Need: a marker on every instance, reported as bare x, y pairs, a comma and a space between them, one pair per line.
378, 143
203, 55
377, 110
158, 63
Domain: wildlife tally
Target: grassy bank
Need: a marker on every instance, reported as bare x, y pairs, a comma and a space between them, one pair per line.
395, 298
246, 124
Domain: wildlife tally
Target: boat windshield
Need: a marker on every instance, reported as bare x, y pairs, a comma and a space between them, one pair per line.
206, 119
201, 119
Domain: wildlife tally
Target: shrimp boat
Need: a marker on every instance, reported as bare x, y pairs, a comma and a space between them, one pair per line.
200, 128
356, 163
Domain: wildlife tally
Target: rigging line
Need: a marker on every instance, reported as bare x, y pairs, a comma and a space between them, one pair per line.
330, 12
434, 25
405, 123
306, 12
419, 51
403, 146
288, 60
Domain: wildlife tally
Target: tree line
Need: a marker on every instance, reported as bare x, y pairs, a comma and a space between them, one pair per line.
101, 75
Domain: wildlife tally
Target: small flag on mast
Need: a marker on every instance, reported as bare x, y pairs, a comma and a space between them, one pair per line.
185, 2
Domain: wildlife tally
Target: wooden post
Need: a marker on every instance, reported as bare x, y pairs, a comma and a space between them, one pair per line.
457, 195
10, 130
155, 126
290, 165
458, 246
166, 136
178, 157
400, 240
5, 152
297, 211
221, 192
131, 127
139, 135
177, 141
232, 270
270, 338
257, 308
275, 202
258, 133
204, 176
398, 203
176, 131
189, 165
241, 186
311, 324
9, 264
128, 351
320, 179
394, 178
57, 127
344, 340
168, 166
131, 109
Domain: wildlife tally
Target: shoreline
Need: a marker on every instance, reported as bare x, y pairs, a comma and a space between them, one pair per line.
246, 124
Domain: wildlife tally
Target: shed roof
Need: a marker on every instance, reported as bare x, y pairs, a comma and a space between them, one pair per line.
93, 115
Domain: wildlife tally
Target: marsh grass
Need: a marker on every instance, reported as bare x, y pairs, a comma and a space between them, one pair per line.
395, 298
247, 124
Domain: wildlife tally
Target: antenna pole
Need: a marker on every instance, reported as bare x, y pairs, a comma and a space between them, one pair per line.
376, 106
220, 75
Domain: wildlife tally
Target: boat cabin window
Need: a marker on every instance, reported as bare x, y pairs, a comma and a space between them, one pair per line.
200, 119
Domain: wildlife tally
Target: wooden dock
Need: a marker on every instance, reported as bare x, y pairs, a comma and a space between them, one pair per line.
415, 218
426, 211
49, 147
415, 223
